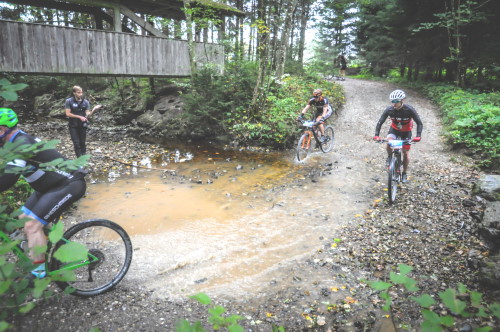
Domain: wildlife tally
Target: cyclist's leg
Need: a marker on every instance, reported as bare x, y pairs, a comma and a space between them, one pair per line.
42, 208
406, 151
321, 127
406, 158
392, 134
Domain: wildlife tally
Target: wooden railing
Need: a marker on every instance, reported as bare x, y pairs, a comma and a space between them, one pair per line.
47, 49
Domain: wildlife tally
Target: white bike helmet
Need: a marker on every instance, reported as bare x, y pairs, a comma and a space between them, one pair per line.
397, 95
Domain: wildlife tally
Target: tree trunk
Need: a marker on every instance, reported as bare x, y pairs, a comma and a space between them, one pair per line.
189, 27
410, 72
177, 30
305, 12
283, 45
262, 56
417, 71
402, 69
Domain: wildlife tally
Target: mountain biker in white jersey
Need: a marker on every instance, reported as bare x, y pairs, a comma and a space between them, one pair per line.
402, 117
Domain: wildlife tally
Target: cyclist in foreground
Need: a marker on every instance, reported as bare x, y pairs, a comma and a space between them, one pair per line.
322, 111
402, 117
54, 191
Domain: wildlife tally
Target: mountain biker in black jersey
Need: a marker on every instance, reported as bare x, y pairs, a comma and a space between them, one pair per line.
402, 117
55, 189
322, 110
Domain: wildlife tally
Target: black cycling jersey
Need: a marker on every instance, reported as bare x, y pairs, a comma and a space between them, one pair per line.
318, 104
77, 107
401, 120
40, 180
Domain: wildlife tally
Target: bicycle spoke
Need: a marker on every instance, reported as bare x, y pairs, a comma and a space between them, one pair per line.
329, 136
303, 147
109, 257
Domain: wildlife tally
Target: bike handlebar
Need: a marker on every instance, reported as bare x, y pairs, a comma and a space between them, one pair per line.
308, 123
405, 141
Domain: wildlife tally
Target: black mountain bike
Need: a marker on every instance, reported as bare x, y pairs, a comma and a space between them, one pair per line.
306, 142
395, 168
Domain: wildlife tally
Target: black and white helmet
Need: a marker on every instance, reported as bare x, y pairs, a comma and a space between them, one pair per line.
397, 95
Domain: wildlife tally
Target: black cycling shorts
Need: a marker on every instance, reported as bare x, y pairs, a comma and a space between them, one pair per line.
328, 114
46, 207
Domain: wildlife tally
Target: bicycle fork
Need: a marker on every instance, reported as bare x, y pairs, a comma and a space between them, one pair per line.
307, 142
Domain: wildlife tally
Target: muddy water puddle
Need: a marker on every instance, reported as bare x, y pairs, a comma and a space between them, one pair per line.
183, 187
219, 222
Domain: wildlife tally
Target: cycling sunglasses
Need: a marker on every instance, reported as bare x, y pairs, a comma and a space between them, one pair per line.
395, 101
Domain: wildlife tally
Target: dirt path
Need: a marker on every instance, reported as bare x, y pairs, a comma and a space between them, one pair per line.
307, 287
241, 258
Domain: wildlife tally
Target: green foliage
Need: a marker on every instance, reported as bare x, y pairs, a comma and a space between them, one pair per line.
219, 106
14, 197
211, 99
8, 91
216, 319
17, 295
275, 125
472, 119
459, 302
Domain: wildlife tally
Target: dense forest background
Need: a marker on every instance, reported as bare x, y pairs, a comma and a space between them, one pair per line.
453, 41
279, 51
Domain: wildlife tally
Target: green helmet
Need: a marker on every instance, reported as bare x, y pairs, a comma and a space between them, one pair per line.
8, 117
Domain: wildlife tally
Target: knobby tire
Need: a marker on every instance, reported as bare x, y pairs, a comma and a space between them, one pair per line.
392, 180
328, 145
303, 150
108, 242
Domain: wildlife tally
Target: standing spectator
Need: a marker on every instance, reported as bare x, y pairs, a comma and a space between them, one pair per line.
78, 110
343, 66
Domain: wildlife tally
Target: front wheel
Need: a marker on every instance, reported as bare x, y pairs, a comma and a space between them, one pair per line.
303, 147
327, 146
108, 259
392, 180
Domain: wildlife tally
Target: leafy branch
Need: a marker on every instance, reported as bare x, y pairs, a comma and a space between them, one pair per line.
473, 306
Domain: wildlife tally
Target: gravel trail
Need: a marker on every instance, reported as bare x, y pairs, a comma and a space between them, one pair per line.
431, 228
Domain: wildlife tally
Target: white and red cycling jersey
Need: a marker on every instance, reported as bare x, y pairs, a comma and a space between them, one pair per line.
401, 119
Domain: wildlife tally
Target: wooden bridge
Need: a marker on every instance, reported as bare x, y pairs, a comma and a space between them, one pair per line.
54, 50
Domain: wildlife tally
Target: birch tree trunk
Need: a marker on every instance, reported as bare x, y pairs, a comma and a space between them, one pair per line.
283, 45
189, 26
262, 55
305, 13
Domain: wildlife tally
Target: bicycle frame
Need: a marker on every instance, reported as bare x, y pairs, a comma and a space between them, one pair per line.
394, 170
397, 147
311, 130
4, 238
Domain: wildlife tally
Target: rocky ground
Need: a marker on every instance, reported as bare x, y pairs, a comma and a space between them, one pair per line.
432, 228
